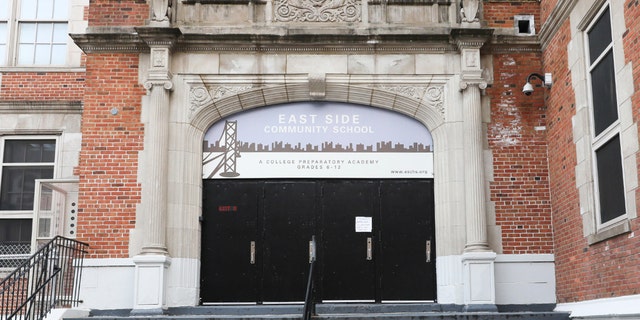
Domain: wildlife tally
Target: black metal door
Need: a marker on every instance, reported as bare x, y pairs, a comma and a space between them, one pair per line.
347, 256
229, 264
407, 268
255, 237
288, 224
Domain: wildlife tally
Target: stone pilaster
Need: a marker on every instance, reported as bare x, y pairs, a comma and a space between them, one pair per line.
477, 258
153, 260
476, 212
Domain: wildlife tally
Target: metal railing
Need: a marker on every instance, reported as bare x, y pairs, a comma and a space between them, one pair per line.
49, 279
309, 298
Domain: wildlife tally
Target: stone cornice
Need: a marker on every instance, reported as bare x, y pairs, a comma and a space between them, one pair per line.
109, 42
278, 39
69, 107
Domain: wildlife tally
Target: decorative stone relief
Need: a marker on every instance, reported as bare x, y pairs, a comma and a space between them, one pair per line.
318, 10
434, 98
410, 92
198, 98
223, 91
159, 58
201, 96
469, 11
161, 12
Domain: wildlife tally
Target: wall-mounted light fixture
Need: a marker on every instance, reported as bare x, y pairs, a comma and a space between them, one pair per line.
547, 81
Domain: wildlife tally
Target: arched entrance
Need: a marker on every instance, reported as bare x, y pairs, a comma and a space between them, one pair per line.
358, 179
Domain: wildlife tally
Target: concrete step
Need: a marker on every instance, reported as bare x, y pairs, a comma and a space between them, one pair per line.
428, 311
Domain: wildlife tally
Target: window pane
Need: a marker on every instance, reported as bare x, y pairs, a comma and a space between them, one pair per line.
610, 183
3, 42
599, 36
45, 9
605, 104
4, 9
17, 189
25, 54
27, 33
59, 33
3, 33
61, 9
35, 151
28, 9
58, 54
3, 55
15, 231
44, 33
43, 54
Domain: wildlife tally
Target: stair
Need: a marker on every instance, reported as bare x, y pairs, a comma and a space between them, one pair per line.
329, 312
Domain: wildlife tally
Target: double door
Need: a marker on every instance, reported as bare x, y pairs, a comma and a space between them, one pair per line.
375, 240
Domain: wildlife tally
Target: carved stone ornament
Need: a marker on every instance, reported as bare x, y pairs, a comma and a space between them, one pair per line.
200, 96
434, 98
469, 11
407, 91
160, 11
317, 10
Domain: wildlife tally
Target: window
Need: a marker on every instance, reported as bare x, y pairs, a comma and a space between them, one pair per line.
23, 161
607, 154
33, 32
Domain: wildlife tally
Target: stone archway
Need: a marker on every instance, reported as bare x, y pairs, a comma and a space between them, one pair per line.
428, 99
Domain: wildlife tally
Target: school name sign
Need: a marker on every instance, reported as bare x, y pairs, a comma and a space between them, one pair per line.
317, 140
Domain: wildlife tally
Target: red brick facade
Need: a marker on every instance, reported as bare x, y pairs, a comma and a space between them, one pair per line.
608, 268
108, 170
516, 134
530, 138
42, 86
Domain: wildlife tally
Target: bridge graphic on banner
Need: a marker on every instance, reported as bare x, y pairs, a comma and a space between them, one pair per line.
230, 153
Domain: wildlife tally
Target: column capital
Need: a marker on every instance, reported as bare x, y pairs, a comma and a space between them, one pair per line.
167, 84
480, 83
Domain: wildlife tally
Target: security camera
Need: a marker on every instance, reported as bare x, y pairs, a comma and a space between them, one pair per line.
527, 89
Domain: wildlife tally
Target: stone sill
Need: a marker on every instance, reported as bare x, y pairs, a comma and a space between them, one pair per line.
610, 232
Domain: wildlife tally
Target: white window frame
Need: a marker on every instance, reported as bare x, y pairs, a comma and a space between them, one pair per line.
614, 128
72, 54
583, 15
26, 214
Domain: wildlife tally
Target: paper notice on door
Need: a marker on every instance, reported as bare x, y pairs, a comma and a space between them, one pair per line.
364, 224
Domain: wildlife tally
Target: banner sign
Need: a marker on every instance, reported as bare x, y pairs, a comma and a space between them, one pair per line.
317, 140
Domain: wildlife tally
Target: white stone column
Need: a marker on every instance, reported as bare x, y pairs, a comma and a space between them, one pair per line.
475, 214
477, 257
152, 262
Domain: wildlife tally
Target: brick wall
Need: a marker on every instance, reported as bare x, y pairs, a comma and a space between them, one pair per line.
118, 13
108, 168
499, 13
517, 134
42, 86
546, 7
608, 268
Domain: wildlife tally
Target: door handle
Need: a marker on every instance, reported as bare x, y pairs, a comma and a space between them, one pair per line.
312, 249
428, 249
369, 248
252, 253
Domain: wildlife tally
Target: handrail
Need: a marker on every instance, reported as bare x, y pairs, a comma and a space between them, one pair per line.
49, 278
309, 298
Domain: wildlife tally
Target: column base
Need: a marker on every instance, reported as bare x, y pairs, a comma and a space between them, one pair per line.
150, 284
479, 281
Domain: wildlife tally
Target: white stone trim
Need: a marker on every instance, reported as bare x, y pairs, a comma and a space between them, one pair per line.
107, 284
581, 15
609, 308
